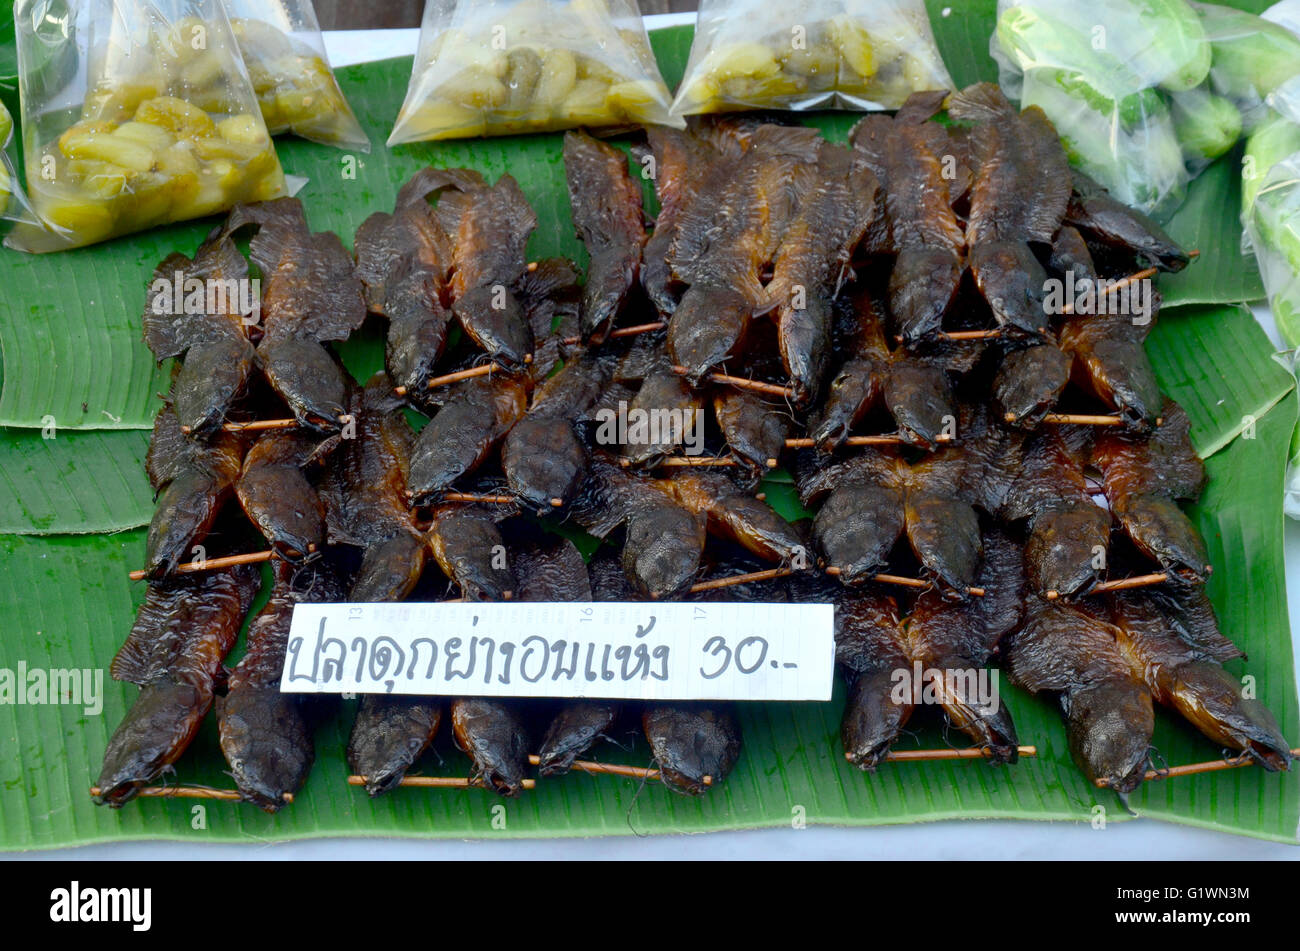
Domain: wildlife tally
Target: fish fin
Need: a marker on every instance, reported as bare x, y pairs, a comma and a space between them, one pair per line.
982, 101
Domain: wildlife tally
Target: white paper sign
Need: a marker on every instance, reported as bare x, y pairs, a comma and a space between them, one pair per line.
618, 649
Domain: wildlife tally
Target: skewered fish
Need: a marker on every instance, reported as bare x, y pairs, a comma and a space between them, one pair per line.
490, 226
543, 456
1119, 228
364, 490
192, 478
555, 572
183, 631
218, 354
663, 540
683, 162
310, 297
278, 498
1018, 197
606, 205
266, 735
403, 260
874, 498
906, 155
476, 415
1144, 479
949, 642
1107, 659
834, 211
726, 237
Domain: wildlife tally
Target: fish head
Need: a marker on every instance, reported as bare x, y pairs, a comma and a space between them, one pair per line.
1110, 726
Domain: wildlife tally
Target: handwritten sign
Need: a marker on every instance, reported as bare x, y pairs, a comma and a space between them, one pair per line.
619, 650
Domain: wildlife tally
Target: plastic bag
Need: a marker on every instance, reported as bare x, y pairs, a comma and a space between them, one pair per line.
495, 67
135, 114
1256, 60
286, 61
1123, 81
844, 54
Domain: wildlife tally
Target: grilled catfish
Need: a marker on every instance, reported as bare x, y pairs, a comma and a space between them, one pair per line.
606, 205
181, 634
266, 735
310, 296
214, 341
192, 478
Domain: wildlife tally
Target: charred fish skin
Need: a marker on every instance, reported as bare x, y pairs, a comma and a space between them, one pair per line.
573, 731
754, 428
390, 734
469, 549
210, 380
1029, 382
691, 742
266, 735
707, 329
417, 333
182, 632
851, 394
920, 399
277, 496
662, 550
1188, 675
1110, 223
494, 734
856, 528
490, 227
606, 205
218, 354
663, 394
543, 460
868, 650
1074, 654
1109, 728
309, 378
922, 287
463, 433
193, 477
1066, 548
682, 164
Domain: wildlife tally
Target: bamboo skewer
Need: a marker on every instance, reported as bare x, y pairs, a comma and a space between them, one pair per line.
716, 583
621, 332
743, 383
211, 564
805, 442
613, 769
925, 756
1192, 769
485, 370
441, 782
189, 792
900, 580
1119, 285
251, 426
1121, 584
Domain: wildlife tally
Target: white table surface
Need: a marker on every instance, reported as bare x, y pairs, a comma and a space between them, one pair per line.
953, 840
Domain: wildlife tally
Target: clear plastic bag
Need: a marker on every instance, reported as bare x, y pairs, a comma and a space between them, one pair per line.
1123, 81
1256, 60
824, 54
134, 114
495, 67
291, 75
